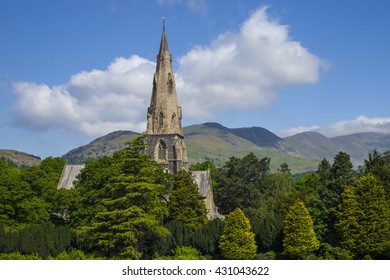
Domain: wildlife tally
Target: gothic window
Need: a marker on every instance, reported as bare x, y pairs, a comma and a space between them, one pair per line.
161, 153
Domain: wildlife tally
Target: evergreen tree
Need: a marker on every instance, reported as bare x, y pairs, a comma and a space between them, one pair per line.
185, 203
130, 202
340, 175
299, 238
348, 225
364, 219
324, 168
237, 241
379, 165
240, 183
284, 168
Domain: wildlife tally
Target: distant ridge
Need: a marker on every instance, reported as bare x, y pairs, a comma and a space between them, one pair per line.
100, 147
19, 159
213, 141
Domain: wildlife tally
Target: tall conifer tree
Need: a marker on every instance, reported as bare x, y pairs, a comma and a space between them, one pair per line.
185, 204
299, 237
237, 241
364, 219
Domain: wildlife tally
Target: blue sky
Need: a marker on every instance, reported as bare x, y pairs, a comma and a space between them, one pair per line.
74, 70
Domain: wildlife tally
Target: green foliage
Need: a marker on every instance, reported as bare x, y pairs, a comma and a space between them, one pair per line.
73, 254
237, 241
122, 204
364, 218
187, 253
379, 165
299, 238
205, 239
204, 166
308, 190
334, 180
185, 203
327, 252
284, 168
241, 183
26, 196
65, 203
19, 256
271, 255
45, 240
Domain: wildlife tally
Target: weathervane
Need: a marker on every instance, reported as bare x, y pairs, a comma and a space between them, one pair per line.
163, 19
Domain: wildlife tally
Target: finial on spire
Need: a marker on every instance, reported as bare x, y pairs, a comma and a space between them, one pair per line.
163, 20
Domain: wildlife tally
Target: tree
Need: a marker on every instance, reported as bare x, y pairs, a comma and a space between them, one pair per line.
364, 218
237, 241
185, 203
284, 168
187, 253
240, 183
299, 238
379, 165
267, 220
348, 225
130, 203
340, 175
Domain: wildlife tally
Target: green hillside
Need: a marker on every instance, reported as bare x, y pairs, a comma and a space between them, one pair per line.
205, 142
212, 141
19, 159
100, 147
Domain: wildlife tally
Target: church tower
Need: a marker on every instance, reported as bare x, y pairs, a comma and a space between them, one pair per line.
165, 139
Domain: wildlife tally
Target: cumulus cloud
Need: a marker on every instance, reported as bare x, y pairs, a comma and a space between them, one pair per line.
244, 69
94, 103
358, 125
238, 70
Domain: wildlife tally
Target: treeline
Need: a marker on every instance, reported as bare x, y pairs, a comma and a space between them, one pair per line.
125, 207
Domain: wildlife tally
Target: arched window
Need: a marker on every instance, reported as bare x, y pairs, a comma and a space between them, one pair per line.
161, 151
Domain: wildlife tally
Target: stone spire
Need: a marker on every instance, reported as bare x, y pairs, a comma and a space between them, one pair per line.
164, 113
165, 140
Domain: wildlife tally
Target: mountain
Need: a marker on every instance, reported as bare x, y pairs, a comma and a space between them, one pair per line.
213, 141
19, 159
317, 146
209, 141
100, 147
257, 135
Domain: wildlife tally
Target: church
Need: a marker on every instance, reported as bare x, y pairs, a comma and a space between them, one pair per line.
164, 134
165, 139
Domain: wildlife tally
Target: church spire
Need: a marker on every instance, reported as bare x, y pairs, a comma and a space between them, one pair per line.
164, 134
164, 42
164, 113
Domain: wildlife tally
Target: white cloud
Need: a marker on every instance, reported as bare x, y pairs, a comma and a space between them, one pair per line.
298, 129
238, 70
244, 69
358, 125
93, 103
